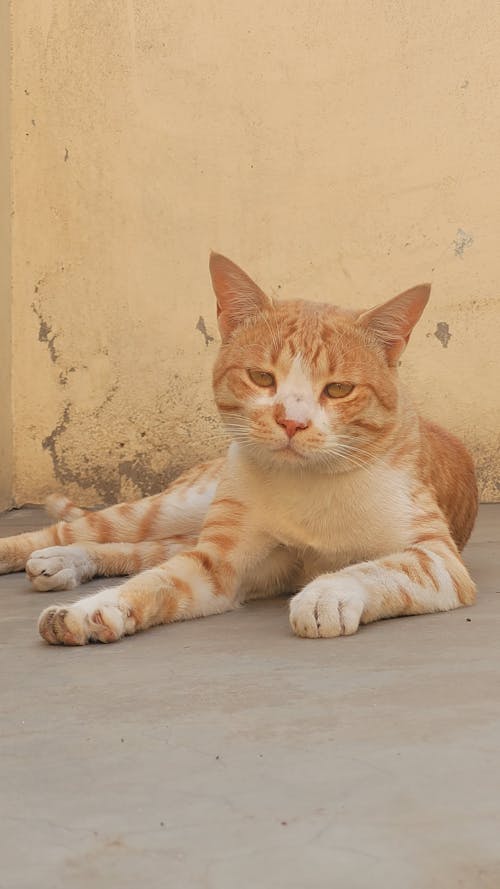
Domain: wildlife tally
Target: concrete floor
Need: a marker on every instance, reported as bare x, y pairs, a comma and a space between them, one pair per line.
226, 754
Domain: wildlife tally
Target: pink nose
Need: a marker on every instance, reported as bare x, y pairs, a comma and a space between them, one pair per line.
291, 426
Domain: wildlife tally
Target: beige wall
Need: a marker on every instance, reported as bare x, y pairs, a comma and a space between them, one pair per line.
337, 150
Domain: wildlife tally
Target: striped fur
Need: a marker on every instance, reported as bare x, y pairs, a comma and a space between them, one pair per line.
333, 489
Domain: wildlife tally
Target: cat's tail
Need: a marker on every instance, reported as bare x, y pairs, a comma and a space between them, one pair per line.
60, 507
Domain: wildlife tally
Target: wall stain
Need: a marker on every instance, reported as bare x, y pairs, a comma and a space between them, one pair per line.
64, 375
45, 334
138, 471
203, 330
105, 480
66, 155
109, 397
442, 333
49, 443
39, 283
462, 240
486, 460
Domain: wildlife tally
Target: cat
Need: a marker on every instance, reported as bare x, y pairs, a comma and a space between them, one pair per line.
333, 488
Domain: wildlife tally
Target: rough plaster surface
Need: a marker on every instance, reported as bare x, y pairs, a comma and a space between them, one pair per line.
337, 151
225, 752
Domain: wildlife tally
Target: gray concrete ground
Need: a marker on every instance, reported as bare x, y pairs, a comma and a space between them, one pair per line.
226, 754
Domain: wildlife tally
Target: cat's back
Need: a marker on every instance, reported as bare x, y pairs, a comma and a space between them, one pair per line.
446, 466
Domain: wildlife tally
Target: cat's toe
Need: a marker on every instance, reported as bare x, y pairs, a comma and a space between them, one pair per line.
60, 626
322, 611
97, 618
302, 616
63, 579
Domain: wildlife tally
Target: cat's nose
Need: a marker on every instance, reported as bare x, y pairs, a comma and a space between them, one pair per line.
292, 426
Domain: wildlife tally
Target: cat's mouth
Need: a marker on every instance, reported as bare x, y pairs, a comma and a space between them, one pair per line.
288, 449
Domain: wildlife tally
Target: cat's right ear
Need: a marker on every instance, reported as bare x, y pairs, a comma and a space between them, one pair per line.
238, 297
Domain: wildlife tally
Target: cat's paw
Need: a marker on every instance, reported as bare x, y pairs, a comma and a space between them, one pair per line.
59, 568
328, 606
98, 618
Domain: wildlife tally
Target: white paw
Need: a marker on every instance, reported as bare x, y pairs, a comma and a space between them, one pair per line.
330, 605
59, 568
98, 618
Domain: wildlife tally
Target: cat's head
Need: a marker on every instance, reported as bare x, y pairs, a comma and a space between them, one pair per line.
308, 384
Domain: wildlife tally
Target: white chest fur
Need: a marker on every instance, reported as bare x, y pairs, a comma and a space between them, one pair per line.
339, 519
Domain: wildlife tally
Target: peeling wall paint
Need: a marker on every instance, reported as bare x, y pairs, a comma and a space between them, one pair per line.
45, 333
442, 333
164, 130
201, 326
462, 241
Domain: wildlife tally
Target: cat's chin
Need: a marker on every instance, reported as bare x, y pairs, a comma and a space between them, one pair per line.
289, 458
289, 452
286, 456
289, 455
272, 457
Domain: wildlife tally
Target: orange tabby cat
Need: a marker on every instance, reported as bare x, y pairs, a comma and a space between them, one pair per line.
333, 488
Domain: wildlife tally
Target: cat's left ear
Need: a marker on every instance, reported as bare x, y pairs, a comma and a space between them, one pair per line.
238, 297
393, 321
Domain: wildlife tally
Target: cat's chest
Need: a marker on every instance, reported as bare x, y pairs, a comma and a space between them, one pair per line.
351, 516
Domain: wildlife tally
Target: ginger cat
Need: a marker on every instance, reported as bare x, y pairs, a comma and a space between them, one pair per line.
333, 488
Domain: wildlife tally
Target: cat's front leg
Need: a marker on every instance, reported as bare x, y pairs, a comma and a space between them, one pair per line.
425, 578
187, 586
202, 581
65, 567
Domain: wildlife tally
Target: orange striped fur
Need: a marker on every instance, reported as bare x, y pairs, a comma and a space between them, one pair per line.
333, 488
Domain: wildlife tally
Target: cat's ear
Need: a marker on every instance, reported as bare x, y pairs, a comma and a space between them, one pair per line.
393, 321
238, 297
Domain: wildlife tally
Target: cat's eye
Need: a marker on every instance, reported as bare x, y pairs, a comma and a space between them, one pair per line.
338, 390
261, 378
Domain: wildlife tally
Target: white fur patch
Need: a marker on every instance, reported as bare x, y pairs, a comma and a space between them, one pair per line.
333, 519
59, 567
329, 606
183, 511
296, 394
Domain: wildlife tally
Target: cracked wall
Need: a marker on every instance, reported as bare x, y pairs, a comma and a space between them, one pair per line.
335, 153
